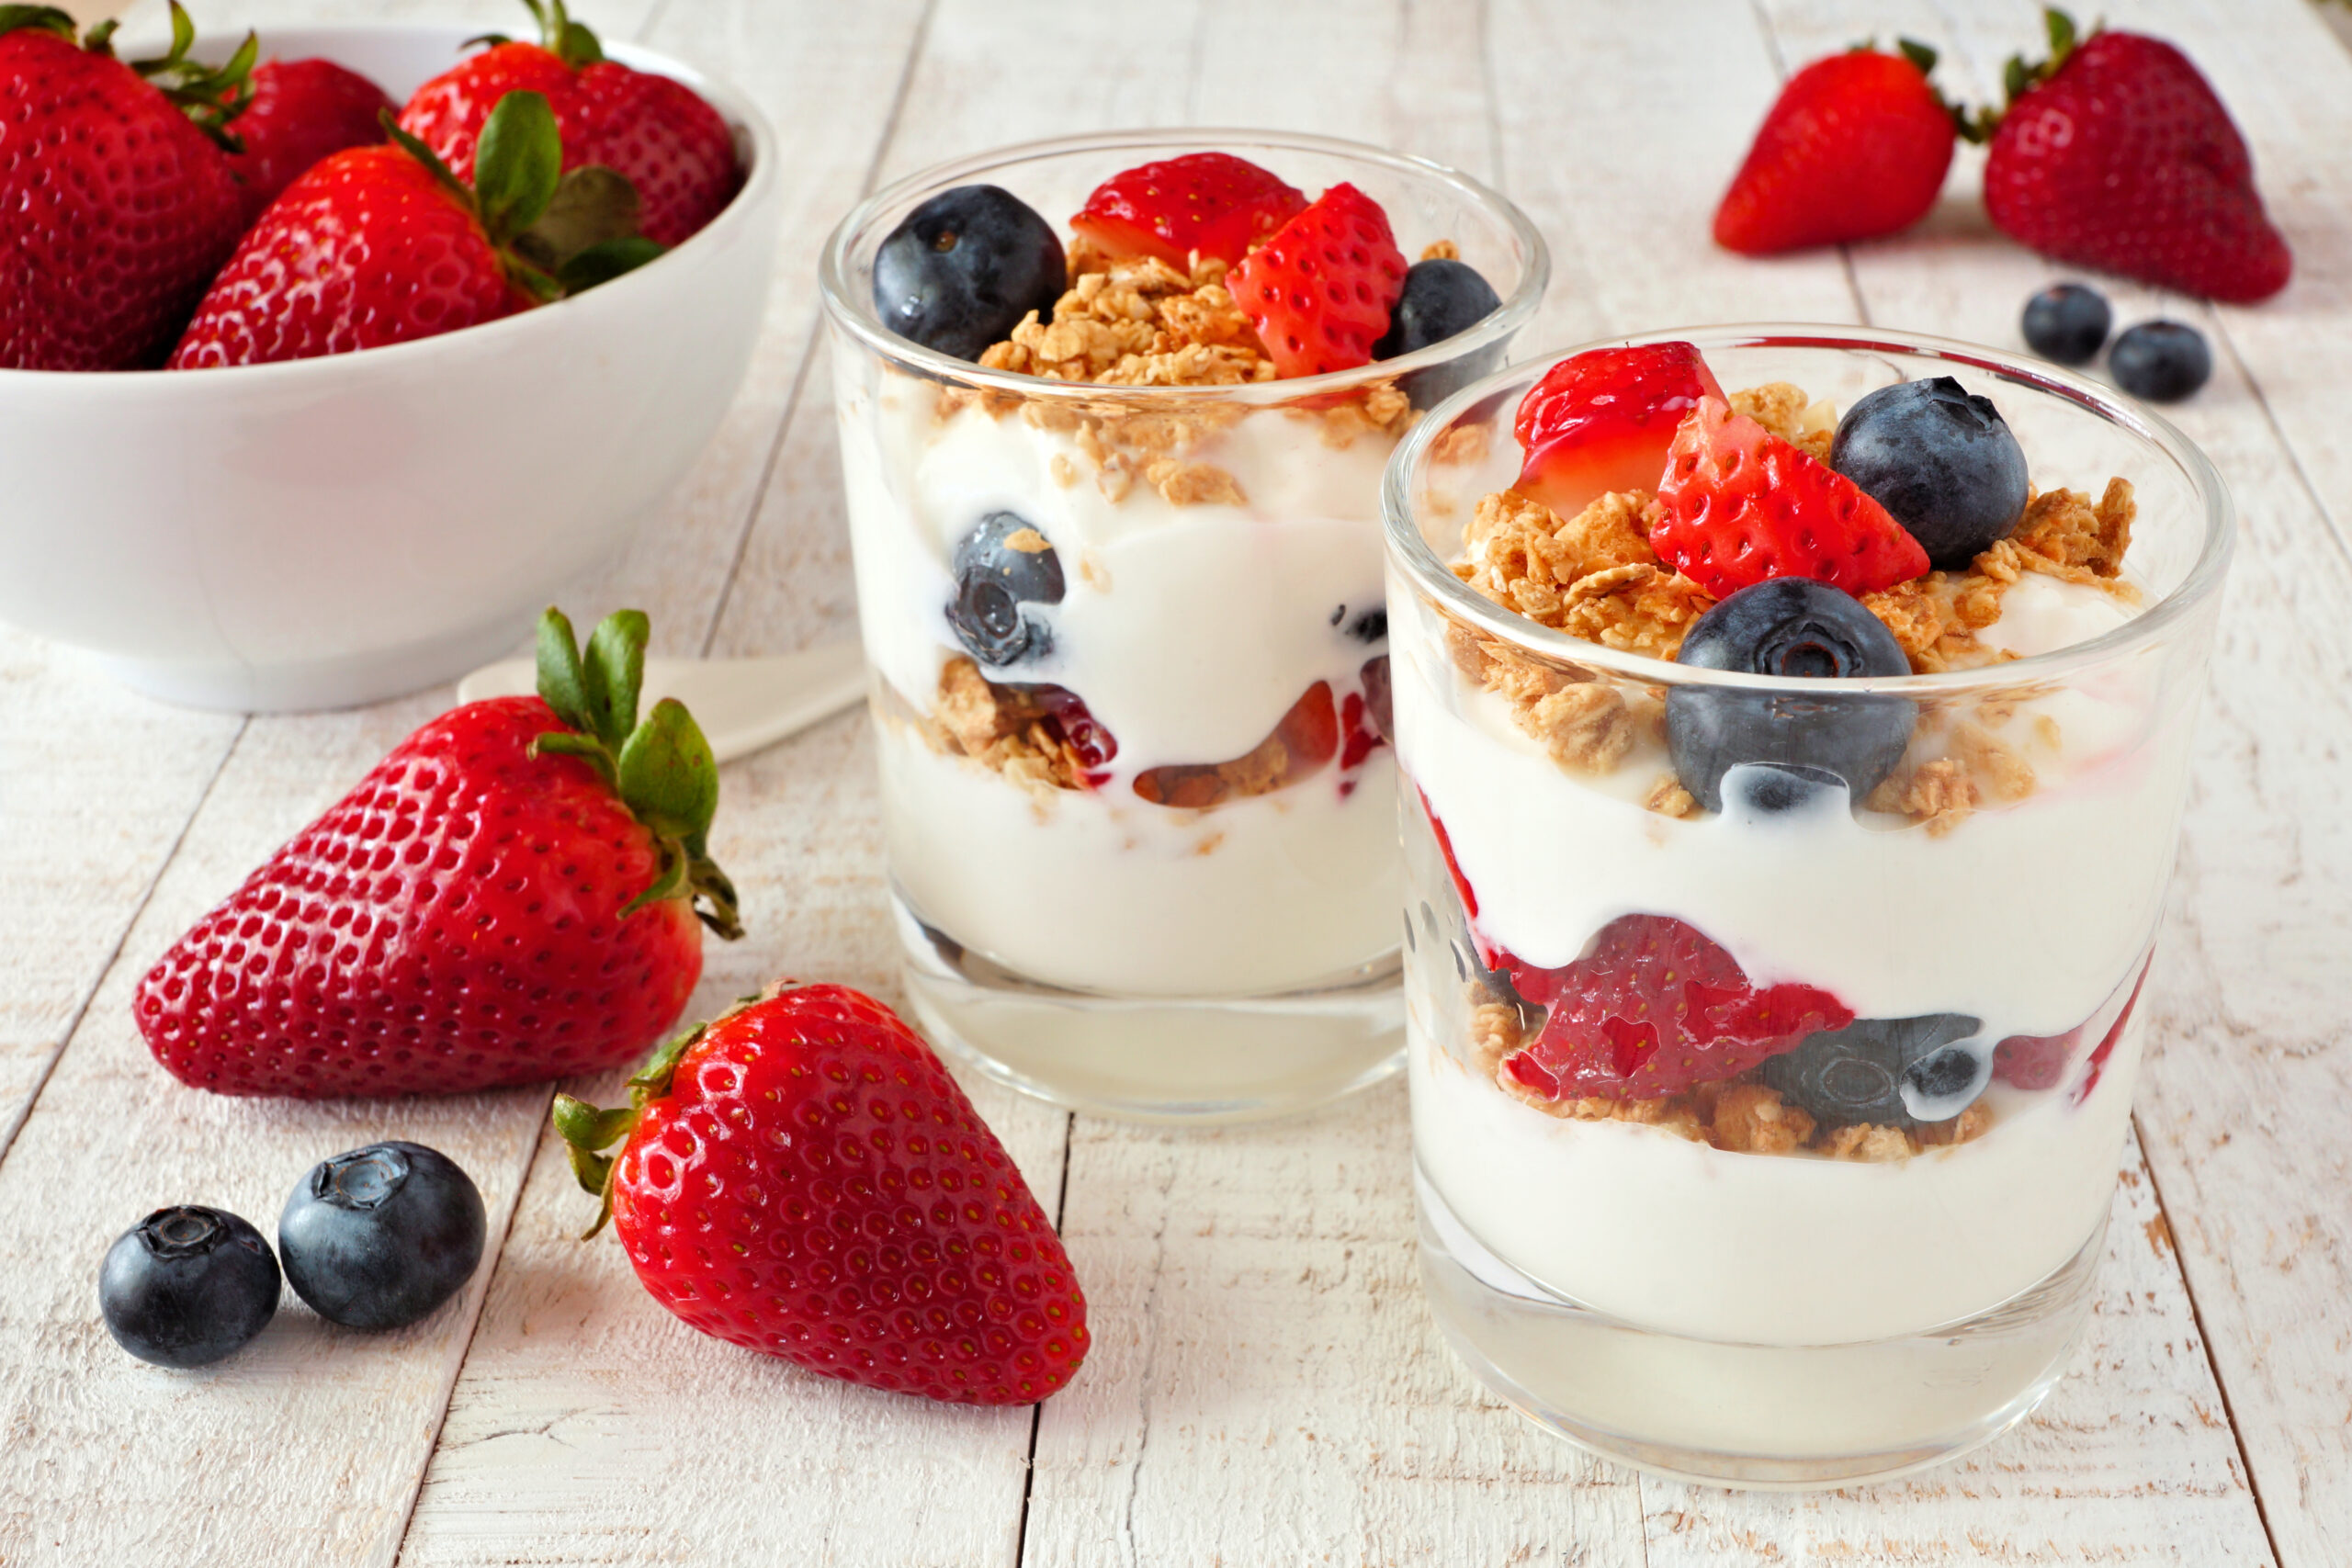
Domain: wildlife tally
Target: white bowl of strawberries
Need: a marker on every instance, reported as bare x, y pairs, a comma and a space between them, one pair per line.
280, 522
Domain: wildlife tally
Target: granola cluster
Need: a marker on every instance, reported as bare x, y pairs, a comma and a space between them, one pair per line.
1004, 729
1738, 1116
1595, 577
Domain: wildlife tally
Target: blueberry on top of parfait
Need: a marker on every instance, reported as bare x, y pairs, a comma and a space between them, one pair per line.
961, 270
1444, 298
1941, 461
1791, 627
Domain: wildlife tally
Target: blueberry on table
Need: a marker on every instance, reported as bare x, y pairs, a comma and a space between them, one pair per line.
1941, 461
2067, 323
1442, 298
187, 1285
2161, 361
380, 1237
1870, 1071
964, 268
1000, 566
1791, 627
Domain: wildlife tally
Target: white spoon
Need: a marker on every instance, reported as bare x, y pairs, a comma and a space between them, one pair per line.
742, 704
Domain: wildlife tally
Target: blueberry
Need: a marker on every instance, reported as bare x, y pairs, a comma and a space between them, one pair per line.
2161, 361
2067, 323
1370, 626
1788, 627
963, 269
1441, 299
1870, 1071
1003, 564
186, 1286
1940, 459
380, 1237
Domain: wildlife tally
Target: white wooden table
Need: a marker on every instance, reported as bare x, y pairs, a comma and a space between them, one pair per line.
1265, 1386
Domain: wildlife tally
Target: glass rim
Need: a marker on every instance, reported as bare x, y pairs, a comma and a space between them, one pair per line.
848, 309
1413, 553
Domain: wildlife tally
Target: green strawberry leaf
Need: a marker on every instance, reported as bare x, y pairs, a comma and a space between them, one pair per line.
607, 260
517, 164
584, 1126
667, 773
415, 148
615, 671
563, 679
1918, 54
44, 18
590, 204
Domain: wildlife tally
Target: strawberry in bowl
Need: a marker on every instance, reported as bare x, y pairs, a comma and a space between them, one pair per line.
324, 529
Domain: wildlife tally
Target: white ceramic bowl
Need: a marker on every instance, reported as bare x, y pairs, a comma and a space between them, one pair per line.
333, 531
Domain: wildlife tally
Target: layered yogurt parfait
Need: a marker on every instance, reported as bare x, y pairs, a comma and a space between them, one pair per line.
1113, 486
1796, 729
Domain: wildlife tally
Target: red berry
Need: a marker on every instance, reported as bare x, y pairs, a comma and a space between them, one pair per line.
1856, 146
1740, 505
1653, 1008
1319, 291
456, 922
2034, 1061
2124, 159
118, 209
807, 1182
657, 133
302, 110
1214, 203
1602, 420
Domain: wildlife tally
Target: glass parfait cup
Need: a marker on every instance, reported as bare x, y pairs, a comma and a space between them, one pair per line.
1698, 1284
1145, 864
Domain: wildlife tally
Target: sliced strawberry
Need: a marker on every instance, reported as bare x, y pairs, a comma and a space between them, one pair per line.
1653, 1008
2106, 1046
1742, 505
1214, 203
1320, 290
1603, 419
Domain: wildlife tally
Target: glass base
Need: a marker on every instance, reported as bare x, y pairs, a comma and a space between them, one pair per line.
1191, 1059
1764, 1416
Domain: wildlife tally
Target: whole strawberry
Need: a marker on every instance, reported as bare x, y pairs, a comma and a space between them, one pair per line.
302, 110
1856, 146
116, 203
379, 245
656, 134
511, 895
802, 1178
2116, 153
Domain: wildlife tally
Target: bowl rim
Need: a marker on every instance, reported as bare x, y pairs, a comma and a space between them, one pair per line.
733, 105
853, 313
1410, 553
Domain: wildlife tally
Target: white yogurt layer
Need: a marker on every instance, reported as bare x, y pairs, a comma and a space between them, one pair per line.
1189, 632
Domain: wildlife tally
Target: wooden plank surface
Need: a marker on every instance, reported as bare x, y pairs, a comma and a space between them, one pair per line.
1266, 1385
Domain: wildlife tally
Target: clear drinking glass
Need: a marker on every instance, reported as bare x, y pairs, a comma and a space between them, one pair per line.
1152, 869
1615, 1269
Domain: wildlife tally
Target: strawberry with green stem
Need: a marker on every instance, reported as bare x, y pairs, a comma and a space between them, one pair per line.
515, 894
383, 244
120, 198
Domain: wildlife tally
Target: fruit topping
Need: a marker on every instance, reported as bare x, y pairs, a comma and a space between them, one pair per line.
1212, 203
654, 132
186, 1286
2161, 361
1941, 461
511, 895
803, 1177
1653, 1008
1378, 703
1603, 421
2108, 1041
1003, 564
1887, 1072
121, 202
1791, 628
1306, 737
1444, 298
1073, 722
302, 110
378, 1237
2116, 153
2034, 1061
1739, 506
1855, 146
1321, 290
961, 270
2067, 323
